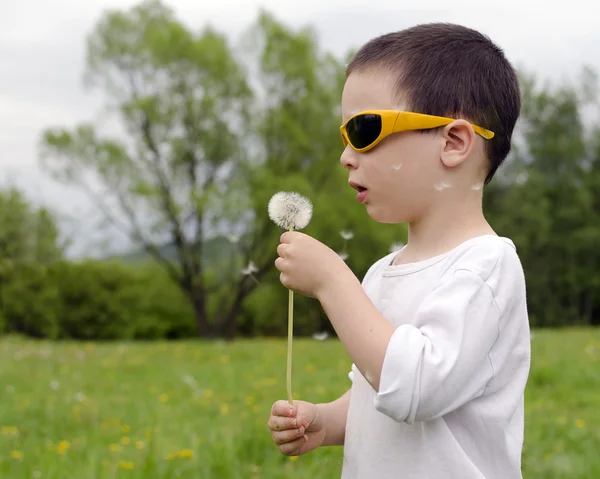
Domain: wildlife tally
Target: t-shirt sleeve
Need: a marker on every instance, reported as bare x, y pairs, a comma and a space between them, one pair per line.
441, 360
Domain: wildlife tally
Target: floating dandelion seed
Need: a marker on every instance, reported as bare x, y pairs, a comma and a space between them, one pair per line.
347, 236
290, 211
250, 270
321, 336
396, 247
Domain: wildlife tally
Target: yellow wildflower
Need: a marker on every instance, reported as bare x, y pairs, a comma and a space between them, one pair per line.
18, 455
125, 441
580, 423
126, 429
224, 408
63, 447
126, 465
114, 448
139, 444
163, 397
10, 430
293, 458
185, 454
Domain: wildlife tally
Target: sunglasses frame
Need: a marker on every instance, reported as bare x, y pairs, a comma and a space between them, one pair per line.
393, 121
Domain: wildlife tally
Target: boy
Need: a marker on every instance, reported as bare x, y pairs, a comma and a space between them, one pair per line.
438, 332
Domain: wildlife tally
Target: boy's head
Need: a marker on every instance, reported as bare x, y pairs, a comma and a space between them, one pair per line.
441, 70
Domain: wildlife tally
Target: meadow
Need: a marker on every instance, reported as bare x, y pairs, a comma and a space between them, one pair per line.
198, 410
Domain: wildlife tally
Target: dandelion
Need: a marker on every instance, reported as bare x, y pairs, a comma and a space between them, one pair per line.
10, 431
293, 458
16, 455
343, 255
114, 448
163, 398
321, 336
290, 211
126, 429
63, 447
139, 444
224, 409
185, 454
127, 465
125, 441
347, 235
580, 423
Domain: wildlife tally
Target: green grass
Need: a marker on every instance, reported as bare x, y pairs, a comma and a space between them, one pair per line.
197, 410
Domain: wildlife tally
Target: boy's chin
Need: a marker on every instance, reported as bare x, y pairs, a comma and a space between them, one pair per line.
385, 215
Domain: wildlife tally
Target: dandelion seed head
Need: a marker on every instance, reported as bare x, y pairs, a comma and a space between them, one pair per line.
347, 235
290, 210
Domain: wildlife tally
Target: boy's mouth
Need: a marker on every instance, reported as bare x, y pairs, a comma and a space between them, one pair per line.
362, 191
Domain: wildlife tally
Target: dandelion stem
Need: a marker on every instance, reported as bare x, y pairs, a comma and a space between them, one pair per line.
289, 352
289, 348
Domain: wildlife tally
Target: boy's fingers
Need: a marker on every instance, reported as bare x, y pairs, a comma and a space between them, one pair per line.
283, 408
278, 423
284, 437
293, 448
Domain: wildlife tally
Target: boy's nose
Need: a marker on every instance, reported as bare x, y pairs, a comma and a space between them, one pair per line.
349, 158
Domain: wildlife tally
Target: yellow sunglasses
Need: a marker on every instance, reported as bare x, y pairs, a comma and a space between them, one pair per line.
365, 130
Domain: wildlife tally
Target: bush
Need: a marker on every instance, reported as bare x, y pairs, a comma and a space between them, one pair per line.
94, 300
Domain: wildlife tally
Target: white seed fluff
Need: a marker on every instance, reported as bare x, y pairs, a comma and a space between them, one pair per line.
290, 210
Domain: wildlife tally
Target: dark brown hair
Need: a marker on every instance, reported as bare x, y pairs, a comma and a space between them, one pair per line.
450, 70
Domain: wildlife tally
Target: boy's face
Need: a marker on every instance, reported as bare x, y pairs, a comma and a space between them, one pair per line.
403, 175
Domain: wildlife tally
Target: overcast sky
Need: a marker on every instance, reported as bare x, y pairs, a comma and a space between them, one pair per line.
42, 55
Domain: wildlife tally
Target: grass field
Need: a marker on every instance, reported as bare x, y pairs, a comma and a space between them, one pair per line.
197, 410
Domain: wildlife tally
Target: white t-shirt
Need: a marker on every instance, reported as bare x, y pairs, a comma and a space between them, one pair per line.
451, 398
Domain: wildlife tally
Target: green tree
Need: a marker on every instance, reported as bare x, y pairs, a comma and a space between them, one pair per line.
181, 99
547, 200
211, 132
28, 234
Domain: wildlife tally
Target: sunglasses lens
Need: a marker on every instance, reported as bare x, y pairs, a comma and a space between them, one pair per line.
363, 130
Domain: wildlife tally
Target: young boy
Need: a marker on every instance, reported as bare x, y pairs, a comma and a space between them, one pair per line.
438, 332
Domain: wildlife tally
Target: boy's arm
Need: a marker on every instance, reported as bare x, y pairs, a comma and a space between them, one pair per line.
433, 363
333, 415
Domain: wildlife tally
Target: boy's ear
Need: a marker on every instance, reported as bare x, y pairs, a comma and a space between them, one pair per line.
458, 139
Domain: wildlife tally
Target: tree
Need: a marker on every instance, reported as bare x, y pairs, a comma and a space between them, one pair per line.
548, 201
28, 234
182, 100
210, 133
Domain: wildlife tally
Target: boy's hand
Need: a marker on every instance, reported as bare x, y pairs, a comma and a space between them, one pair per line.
306, 264
296, 430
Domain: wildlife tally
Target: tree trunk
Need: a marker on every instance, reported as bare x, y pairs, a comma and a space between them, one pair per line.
204, 329
230, 323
